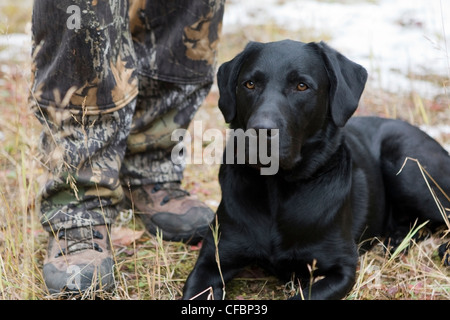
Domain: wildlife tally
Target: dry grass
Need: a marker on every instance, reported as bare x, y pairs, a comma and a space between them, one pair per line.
146, 266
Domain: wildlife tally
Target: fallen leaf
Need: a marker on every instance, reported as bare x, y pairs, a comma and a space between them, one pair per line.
121, 236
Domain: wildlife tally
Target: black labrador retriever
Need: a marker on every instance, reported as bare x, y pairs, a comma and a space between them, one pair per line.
338, 181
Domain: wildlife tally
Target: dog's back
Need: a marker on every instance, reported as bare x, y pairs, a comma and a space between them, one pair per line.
415, 171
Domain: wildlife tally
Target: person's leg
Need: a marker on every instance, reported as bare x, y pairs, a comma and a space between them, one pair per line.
176, 45
84, 91
152, 182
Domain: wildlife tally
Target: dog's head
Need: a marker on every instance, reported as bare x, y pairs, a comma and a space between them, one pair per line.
297, 88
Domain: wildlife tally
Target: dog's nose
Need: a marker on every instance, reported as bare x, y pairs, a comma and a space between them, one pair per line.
267, 125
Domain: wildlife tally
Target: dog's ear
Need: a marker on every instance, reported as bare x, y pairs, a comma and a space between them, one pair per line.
227, 81
347, 81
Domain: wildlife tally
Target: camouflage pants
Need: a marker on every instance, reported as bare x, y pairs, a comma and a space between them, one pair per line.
111, 80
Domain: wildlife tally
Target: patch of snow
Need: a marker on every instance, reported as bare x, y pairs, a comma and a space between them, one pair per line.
390, 38
16, 46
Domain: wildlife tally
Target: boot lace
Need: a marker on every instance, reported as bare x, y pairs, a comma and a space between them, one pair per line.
79, 239
173, 190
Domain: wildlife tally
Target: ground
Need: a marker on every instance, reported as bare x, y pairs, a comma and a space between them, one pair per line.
149, 268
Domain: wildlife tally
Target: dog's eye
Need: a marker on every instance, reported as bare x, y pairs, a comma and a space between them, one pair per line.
302, 87
249, 85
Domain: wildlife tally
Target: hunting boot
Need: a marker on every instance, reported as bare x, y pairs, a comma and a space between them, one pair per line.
166, 207
79, 259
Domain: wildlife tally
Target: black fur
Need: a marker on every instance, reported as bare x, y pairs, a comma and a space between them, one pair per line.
337, 184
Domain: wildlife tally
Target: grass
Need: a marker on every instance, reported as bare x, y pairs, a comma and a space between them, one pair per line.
15, 16
146, 266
